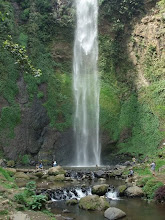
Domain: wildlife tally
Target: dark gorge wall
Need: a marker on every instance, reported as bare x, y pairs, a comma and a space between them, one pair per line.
36, 113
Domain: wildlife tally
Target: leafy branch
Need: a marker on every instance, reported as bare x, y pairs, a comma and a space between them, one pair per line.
19, 53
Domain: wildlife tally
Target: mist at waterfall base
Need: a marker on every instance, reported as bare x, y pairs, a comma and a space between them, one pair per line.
86, 85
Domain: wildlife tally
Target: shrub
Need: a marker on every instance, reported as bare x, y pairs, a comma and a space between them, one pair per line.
20, 198
11, 163
150, 188
30, 188
38, 202
25, 159
160, 194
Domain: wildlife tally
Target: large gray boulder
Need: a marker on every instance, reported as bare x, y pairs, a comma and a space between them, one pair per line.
56, 170
93, 202
134, 191
99, 174
113, 213
100, 190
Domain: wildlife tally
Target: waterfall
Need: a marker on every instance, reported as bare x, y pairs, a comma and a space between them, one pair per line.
86, 85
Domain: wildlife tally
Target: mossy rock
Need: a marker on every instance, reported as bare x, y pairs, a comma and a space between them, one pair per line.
121, 189
134, 191
56, 170
59, 177
21, 175
100, 190
93, 202
72, 202
32, 176
11, 171
11, 163
39, 174
51, 178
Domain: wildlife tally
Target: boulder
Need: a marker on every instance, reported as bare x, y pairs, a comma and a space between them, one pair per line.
99, 174
121, 189
59, 177
12, 171
32, 176
93, 202
3, 189
134, 191
19, 216
21, 175
39, 174
100, 190
102, 179
72, 202
113, 213
51, 178
56, 170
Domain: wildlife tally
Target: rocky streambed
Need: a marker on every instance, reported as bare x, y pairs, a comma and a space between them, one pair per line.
90, 193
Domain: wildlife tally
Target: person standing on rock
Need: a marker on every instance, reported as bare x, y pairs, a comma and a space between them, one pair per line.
153, 165
54, 164
134, 160
41, 166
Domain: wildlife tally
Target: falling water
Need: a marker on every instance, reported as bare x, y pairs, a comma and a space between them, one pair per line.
86, 85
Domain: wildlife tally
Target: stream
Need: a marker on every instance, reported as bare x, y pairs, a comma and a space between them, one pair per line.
135, 208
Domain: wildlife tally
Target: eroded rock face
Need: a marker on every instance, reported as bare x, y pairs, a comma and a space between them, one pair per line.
93, 202
114, 213
134, 191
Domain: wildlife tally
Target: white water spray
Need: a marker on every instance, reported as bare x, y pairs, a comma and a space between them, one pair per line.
86, 85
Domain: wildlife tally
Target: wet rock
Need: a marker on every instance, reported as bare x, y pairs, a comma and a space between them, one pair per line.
102, 179
67, 218
100, 189
93, 202
121, 189
114, 213
65, 211
68, 179
99, 173
72, 202
134, 191
19, 216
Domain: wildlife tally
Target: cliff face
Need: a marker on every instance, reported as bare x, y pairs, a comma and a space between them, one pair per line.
36, 114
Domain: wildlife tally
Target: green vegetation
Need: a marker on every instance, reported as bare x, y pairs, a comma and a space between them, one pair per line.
25, 159
59, 103
6, 179
19, 53
150, 187
29, 199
